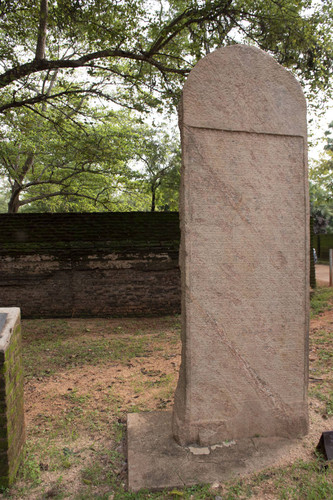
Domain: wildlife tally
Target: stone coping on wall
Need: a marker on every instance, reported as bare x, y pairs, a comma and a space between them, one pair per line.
12, 315
80, 232
86, 226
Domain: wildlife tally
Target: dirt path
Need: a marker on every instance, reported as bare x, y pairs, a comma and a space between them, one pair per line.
322, 274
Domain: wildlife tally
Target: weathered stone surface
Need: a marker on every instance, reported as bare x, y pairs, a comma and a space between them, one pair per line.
244, 251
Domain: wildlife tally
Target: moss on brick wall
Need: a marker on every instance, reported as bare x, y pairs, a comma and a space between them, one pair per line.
12, 433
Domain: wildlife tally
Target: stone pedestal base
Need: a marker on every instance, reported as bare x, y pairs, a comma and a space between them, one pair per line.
156, 461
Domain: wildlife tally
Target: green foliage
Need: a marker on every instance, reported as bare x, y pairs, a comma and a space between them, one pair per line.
321, 188
321, 209
329, 405
329, 138
86, 163
30, 470
3, 203
65, 64
160, 155
76, 157
144, 49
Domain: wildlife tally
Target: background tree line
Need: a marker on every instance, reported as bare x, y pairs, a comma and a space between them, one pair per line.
321, 187
82, 82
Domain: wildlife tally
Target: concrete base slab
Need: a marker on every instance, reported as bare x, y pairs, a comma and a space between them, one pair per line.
156, 461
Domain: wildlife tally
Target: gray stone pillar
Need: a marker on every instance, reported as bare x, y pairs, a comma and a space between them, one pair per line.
244, 251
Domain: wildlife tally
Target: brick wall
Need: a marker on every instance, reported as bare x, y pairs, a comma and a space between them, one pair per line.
63, 265
12, 431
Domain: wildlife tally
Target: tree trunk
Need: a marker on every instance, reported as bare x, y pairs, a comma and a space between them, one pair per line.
14, 202
42, 30
153, 198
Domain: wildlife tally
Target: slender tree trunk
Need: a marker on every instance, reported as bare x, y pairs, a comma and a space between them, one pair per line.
153, 198
42, 31
14, 202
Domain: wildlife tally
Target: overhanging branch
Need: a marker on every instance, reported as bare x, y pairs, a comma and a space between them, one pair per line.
37, 66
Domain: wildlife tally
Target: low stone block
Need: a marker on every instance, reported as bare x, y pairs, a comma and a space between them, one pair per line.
12, 429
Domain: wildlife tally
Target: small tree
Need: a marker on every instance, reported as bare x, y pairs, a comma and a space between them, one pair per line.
67, 163
160, 156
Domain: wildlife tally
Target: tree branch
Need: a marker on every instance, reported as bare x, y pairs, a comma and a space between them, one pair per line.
64, 193
47, 97
37, 66
187, 18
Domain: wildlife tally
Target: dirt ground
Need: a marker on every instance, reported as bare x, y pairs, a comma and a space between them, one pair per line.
111, 390
322, 274
47, 396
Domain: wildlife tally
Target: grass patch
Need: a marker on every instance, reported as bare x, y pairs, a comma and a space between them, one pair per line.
51, 345
54, 354
321, 355
321, 301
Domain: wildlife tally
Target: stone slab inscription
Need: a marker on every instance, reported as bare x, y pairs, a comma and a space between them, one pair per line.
244, 251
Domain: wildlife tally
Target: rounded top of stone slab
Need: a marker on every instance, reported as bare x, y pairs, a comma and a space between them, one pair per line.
241, 88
